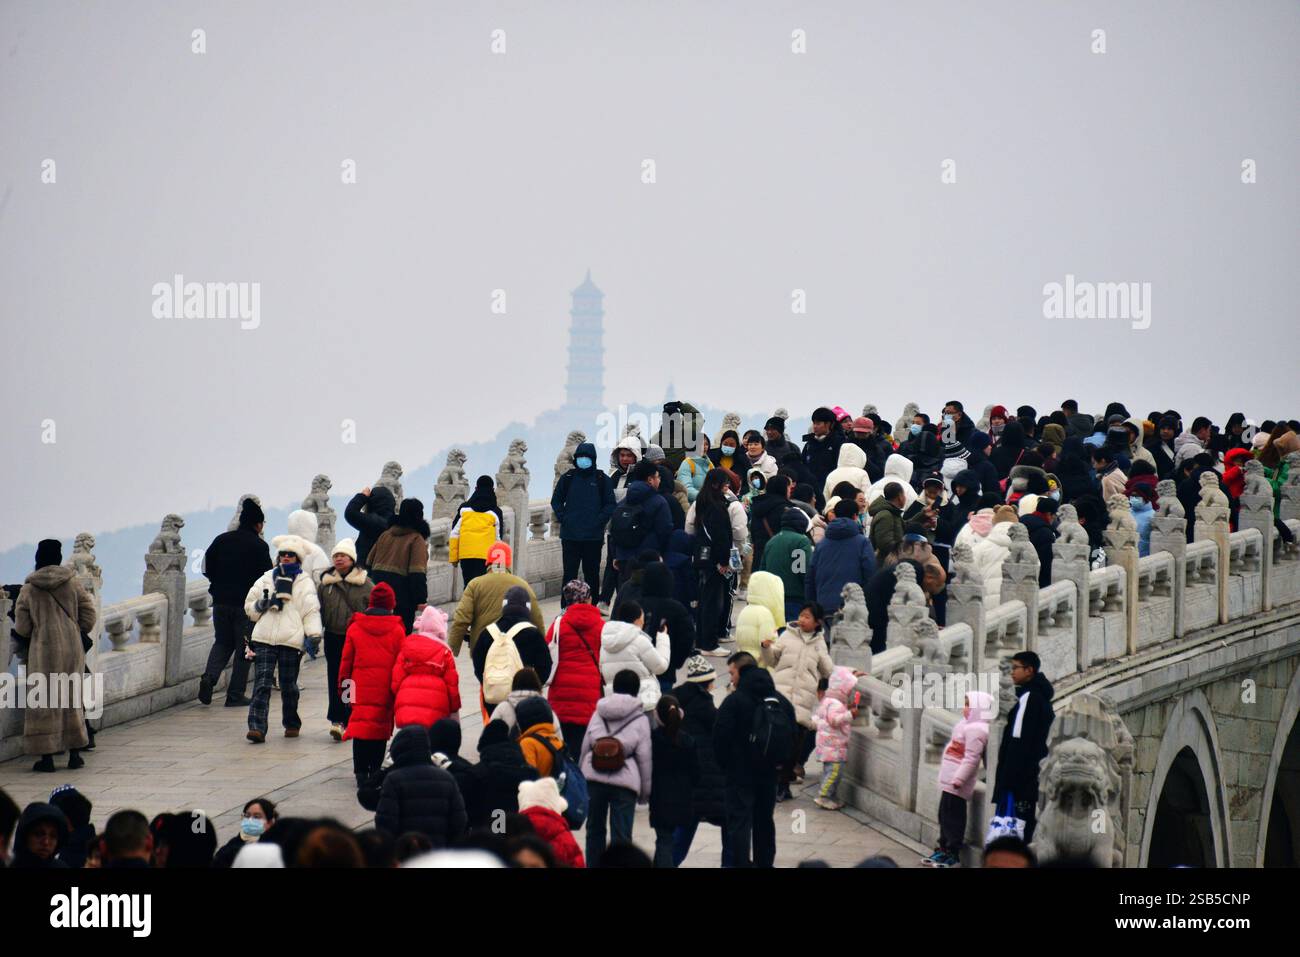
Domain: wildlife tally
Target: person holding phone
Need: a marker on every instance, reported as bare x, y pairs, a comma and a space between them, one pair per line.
625, 647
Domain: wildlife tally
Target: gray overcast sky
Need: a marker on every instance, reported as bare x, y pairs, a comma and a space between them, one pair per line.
476, 171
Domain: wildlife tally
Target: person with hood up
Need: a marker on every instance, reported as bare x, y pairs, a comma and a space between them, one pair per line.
374, 640
343, 590
1161, 446
642, 520
787, 556
400, 557
821, 449
843, 556
419, 796
495, 667
852, 468
664, 612
625, 647
480, 604
426, 687
763, 616
1140, 495
799, 660
694, 467
676, 771
958, 771
898, 469
924, 452
476, 528
1024, 740
708, 805
1013, 450
583, 502
887, 521
42, 832
500, 770
619, 771
370, 512
76, 807
231, 564
575, 641
541, 802
1074, 469
539, 736
834, 722
285, 609
52, 613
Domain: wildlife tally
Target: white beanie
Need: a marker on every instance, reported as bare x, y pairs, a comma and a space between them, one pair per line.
1027, 505
345, 546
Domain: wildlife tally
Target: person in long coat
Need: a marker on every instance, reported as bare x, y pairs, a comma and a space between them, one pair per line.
52, 613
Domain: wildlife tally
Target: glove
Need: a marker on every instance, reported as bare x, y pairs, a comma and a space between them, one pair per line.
313, 645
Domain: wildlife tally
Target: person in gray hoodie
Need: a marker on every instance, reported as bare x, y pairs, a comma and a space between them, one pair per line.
623, 777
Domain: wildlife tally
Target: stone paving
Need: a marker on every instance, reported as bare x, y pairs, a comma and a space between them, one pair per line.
195, 757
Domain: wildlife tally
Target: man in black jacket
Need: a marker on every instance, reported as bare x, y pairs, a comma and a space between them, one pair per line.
370, 512
417, 794
821, 448
582, 503
1038, 524
663, 610
231, 564
751, 789
444, 744
1024, 740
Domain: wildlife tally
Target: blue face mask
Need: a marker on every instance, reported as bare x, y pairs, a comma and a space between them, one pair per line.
1137, 501
756, 483
583, 462
728, 450
915, 429
252, 826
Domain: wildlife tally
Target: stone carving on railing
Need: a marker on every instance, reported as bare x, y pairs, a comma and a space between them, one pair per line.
1083, 784
1169, 506
1121, 530
1069, 531
730, 420
199, 601
165, 574
391, 478
539, 516
1212, 509
869, 410
966, 598
906, 608
239, 508
166, 554
452, 487
985, 419
1289, 507
119, 630
82, 561
513, 475
850, 633
932, 652
905, 420
318, 503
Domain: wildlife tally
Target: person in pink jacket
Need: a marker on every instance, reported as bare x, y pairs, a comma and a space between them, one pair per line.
957, 773
836, 709
426, 685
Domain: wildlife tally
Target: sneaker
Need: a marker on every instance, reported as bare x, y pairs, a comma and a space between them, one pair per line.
257, 737
716, 653
947, 860
932, 860
205, 690
336, 732
824, 803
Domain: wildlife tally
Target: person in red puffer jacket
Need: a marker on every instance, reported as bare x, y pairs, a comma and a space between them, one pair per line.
540, 801
374, 638
425, 682
576, 685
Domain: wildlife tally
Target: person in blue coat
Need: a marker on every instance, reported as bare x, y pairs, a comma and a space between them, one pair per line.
583, 503
843, 556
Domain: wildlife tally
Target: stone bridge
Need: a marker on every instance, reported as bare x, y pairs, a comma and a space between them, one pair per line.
1176, 674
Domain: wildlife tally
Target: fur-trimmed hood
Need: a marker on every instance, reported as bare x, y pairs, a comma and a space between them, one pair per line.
357, 576
543, 792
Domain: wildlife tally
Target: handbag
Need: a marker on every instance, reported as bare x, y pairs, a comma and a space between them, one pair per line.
1005, 824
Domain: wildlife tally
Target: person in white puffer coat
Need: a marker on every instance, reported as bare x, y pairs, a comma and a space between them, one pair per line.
851, 468
990, 545
898, 468
286, 611
625, 647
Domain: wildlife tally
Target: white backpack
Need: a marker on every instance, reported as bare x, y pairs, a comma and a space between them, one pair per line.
502, 663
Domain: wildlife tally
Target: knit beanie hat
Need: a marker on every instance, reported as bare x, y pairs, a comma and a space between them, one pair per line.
533, 710
699, 671
775, 423
998, 412
251, 513
432, 623
863, 425
49, 551
1054, 435
381, 596
576, 592
517, 598
977, 440
655, 454
840, 414
494, 732
345, 546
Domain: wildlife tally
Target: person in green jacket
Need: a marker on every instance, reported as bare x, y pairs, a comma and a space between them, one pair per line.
787, 556
887, 521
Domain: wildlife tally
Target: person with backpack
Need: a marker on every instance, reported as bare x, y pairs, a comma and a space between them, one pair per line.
370, 650
799, 660
577, 685
541, 802
787, 556
617, 764
480, 603
624, 646
583, 503
419, 796
539, 739
641, 520
676, 771
500, 770
476, 528
512, 642
426, 686
753, 739
524, 686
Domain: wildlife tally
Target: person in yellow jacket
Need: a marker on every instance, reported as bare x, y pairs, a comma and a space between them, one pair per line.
480, 604
475, 529
763, 615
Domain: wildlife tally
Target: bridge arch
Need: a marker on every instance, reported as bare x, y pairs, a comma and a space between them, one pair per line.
1188, 773
1279, 815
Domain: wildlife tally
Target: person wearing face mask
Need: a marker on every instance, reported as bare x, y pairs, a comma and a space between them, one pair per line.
583, 503
728, 454
259, 817
997, 422
1140, 495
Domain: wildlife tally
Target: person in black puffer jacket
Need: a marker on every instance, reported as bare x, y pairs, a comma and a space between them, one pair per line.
708, 799
501, 767
380, 505
444, 742
417, 795
676, 772
661, 608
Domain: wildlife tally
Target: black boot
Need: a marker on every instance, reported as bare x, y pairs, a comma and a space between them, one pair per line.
90, 736
45, 764
75, 760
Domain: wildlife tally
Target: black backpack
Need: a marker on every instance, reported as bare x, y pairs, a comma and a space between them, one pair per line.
771, 735
627, 526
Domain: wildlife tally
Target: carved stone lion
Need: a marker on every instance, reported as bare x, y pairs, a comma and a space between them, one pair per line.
1021, 551
869, 410
1211, 495
168, 539
513, 475
1169, 507
928, 646
906, 589
1256, 481
850, 633
564, 461
453, 473
905, 421
1069, 531
1121, 517
391, 477
964, 571
82, 560
730, 420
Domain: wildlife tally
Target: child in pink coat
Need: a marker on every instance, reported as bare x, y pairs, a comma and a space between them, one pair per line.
957, 773
836, 709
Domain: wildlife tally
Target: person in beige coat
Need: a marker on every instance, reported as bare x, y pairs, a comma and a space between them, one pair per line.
798, 659
50, 616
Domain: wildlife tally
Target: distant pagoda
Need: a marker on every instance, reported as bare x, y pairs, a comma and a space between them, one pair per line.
585, 388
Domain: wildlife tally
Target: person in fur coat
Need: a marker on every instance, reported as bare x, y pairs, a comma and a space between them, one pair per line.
373, 642
541, 802
426, 686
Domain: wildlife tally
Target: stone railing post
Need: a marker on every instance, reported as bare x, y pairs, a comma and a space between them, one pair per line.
165, 573
318, 503
906, 610
1070, 562
90, 577
1169, 534
1256, 511
512, 490
1212, 525
1289, 504
966, 602
1121, 538
1020, 580
452, 487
